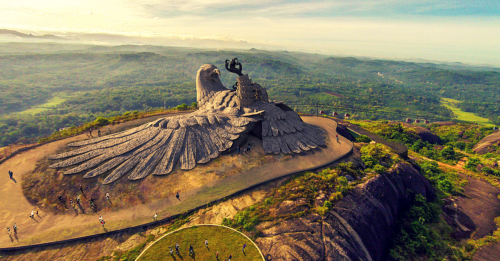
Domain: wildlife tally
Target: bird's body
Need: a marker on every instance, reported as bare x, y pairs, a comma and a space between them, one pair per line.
219, 125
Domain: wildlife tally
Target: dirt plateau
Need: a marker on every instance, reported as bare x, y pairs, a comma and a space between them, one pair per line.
359, 226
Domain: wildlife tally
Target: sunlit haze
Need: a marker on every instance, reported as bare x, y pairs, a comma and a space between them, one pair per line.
452, 30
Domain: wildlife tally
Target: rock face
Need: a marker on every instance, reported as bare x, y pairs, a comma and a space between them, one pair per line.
427, 135
484, 146
359, 227
342, 130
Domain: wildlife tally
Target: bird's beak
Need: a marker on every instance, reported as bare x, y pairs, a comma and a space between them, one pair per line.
216, 71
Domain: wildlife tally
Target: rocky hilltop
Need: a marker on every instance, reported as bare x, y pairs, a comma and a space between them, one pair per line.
486, 145
358, 227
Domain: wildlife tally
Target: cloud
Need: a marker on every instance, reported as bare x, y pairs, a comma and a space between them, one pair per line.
452, 30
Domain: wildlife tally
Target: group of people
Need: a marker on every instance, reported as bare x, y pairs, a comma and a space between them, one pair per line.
247, 149
98, 132
191, 250
79, 201
14, 227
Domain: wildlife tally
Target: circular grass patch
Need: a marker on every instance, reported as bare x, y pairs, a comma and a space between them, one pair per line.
222, 239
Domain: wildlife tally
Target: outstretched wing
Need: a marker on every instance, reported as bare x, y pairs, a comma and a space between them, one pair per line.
155, 147
284, 131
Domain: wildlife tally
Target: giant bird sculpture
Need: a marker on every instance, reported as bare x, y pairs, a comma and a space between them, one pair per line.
222, 122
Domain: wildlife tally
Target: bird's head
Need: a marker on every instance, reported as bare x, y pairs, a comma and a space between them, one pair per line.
208, 83
209, 73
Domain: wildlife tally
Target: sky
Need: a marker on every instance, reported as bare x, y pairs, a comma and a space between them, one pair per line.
466, 31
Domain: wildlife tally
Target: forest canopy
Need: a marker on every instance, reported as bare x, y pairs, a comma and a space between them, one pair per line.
41, 92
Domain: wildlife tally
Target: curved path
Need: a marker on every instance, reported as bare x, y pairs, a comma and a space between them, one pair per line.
255, 245
14, 208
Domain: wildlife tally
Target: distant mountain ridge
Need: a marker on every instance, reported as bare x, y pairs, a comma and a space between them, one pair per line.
23, 35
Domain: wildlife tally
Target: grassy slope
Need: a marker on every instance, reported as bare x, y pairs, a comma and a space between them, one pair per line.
52, 103
462, 115
226, 241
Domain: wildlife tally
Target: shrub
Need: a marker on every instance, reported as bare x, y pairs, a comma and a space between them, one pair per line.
101, 121
363, 138
472, 164
379, 169
369, 161
448, 153
460, 145
182, 107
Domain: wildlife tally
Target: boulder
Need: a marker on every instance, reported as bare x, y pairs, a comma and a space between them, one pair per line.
427, 135
485, 145
479, 167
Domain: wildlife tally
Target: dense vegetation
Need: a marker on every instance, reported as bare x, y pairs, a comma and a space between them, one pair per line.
95, 81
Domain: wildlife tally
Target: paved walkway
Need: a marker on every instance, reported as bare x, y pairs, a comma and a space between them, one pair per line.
14, 208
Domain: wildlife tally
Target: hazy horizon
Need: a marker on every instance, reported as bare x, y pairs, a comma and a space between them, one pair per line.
450, 31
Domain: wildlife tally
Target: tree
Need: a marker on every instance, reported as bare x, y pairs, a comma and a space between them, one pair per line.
101, 121
448, 153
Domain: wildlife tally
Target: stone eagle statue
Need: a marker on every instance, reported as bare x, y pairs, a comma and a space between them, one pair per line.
222, 122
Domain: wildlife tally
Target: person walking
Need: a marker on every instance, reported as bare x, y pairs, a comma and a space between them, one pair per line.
15, 229
100, 218
244, 246
81, 189
71, 203
177, 248
62, 199
37, 211
191, 250
78, 200
99, 133
171, 250
32, 214
177, 195
11, 174
8, 230
206, 243
238, 149
230, 256
337, 136
155, 216
107, 196
217, 255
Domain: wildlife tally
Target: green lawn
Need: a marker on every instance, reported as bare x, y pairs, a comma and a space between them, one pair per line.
221, 239
462, 115
56, 100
